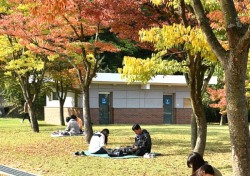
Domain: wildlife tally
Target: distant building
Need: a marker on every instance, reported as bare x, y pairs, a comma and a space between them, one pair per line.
163, 100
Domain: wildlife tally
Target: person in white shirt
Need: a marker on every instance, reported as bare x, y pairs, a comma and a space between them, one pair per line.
98, 142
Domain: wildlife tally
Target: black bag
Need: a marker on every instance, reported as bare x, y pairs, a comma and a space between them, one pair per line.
116, 153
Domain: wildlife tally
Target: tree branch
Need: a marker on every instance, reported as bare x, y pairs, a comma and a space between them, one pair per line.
219, 51
245, 40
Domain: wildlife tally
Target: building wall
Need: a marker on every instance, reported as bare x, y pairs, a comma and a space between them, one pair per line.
130, 103
138, 115
183, 115
122, 115
52, 114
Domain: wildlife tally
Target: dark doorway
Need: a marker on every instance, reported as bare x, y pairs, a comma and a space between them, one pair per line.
104, 108
168, 109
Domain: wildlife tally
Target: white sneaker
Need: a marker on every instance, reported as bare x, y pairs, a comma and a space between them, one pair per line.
146, 155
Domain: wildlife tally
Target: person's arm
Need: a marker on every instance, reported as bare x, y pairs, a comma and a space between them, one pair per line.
68, 127
102, 143
147, 142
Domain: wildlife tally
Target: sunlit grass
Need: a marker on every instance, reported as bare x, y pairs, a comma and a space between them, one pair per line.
40, 154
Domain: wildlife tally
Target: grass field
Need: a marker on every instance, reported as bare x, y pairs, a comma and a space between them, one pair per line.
41, 154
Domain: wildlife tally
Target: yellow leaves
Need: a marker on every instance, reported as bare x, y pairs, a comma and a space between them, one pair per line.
53, 57
166, 37
91, 59
7, 49
24, 7
173, 36
27, 62
157, 2
17, 58
136, 69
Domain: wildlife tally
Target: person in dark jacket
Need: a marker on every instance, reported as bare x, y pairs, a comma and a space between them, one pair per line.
143, 142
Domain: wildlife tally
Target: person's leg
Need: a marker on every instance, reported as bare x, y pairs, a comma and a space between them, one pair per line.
140, 152
101, 151
28, 117
24, 117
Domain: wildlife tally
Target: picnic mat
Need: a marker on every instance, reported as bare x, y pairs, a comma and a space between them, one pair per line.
86, 152
61, 134
107, 156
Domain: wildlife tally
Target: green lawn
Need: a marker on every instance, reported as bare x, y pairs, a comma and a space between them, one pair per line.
40, 154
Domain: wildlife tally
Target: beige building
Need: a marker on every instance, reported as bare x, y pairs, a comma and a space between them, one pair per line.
163, 100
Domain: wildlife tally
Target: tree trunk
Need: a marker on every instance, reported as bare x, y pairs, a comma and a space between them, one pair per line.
86, 115
193, 131
62, 121
235, 74
33, 118
196, 77
201, 127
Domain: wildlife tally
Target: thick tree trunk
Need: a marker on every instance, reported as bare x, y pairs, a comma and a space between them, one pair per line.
86, 115
235, 74
33, 118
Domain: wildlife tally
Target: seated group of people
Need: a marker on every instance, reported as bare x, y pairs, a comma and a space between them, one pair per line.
141, 146
74, 125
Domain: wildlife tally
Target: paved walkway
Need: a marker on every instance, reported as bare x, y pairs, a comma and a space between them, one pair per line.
13, 172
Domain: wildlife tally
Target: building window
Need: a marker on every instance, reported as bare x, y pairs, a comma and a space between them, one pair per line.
186, 103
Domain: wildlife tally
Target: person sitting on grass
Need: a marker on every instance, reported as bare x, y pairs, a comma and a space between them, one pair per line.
205, 170
195, 161
142, 142
72, 127
80, 124
98, 142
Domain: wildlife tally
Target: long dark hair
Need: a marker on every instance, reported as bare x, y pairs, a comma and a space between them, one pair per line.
206, 168
105, 132
195, 161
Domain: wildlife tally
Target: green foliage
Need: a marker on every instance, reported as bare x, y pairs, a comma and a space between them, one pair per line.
11, 91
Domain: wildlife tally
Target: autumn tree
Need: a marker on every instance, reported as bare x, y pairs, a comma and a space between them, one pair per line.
62, 78
194, 65
234, 62
218, 98
26, 68
66, 29
172, 39
72, 29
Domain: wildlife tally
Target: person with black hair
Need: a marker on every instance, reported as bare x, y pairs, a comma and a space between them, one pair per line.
195, 161
98, 142
142, 142
205, 170
72, 126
